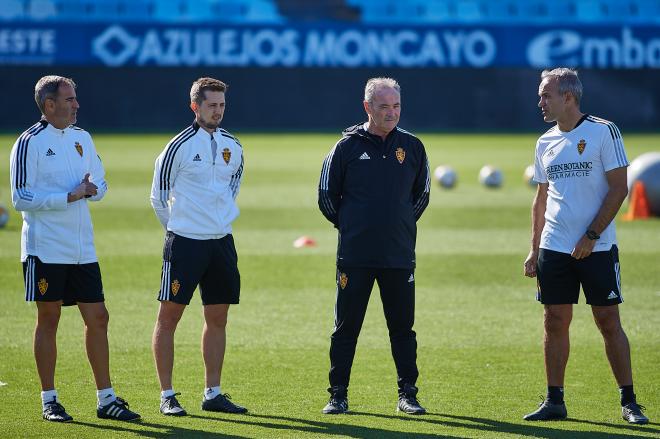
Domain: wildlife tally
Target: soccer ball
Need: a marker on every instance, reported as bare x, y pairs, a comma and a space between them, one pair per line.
491, 177
528, 176
445, 176
4, 216
646, 168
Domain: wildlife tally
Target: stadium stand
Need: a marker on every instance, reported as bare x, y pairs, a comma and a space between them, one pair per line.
507, 11
410, 12
165, 11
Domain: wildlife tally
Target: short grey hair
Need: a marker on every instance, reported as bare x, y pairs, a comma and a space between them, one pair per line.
374, 84
48, 87
568, 81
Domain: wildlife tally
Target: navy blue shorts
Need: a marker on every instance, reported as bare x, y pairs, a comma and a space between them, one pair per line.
70, 283
210, 263
560, 275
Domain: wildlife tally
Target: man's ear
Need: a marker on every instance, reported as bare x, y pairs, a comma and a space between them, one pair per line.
366, 107
194, 107
49, 105
568, 97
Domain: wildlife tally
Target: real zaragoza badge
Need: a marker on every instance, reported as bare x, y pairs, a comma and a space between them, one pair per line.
43, 286
175, 286
343, 280
400, 155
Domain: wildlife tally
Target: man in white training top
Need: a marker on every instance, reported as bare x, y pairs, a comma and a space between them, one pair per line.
580, 167
54, 172
196, 182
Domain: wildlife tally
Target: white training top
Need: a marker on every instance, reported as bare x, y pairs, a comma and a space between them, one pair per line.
574, 164
193, 193
47, 163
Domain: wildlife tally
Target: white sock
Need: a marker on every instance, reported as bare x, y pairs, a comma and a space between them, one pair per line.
211, 392
166, 394
106, 396
48, 397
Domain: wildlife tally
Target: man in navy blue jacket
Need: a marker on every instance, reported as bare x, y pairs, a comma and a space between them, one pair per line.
374, 187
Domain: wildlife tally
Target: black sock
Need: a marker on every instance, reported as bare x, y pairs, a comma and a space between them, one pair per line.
627, 394
555, 394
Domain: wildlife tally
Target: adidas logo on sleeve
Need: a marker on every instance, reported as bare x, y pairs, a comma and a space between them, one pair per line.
365, 156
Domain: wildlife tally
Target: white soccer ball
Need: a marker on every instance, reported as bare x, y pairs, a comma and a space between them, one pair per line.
528, 176
4, 216
646, 168
491, 177
445, 176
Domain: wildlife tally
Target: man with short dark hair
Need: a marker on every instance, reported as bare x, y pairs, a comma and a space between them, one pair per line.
195, 185
55, 171
374, 186
580, 166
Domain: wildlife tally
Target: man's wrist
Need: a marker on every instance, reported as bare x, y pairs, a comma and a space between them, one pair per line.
592, 235
70, 197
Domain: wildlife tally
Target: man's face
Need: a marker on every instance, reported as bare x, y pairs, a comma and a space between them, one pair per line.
551, 103
384, 110
210, 112
62, 111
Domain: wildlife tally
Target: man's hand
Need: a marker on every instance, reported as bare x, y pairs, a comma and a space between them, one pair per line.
85, 189
530, 263
583, 248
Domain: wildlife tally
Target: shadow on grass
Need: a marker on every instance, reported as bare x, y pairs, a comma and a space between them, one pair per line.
318, 428
540, 430
349, 429
161, 430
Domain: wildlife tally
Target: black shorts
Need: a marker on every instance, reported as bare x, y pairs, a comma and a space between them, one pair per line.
560, 276
70, 283
211, 263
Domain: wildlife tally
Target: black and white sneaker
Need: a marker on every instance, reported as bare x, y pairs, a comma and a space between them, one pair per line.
170, 406
338, 403
408, 401
632, 412
222, 403
55, 412
547, 411
117, 409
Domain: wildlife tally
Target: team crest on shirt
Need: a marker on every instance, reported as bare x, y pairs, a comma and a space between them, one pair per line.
43, 286
400, 154
175, 286
343, 280
79, 149
581, 145
226, 155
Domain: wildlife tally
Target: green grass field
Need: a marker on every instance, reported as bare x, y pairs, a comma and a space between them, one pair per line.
479, 327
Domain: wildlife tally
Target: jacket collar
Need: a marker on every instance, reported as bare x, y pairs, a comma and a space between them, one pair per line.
52, 129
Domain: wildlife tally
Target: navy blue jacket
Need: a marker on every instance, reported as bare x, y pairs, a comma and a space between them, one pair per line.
373, 192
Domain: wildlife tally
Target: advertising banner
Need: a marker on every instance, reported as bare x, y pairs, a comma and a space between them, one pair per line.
307, 46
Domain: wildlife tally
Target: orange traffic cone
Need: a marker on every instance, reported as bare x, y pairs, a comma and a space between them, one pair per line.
639, 203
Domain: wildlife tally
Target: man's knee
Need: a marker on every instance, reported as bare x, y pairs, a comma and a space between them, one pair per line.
48, 317
169, 315
402, 334
98, 319
608, 323
346, 330
215, 316
557, 319
217, 321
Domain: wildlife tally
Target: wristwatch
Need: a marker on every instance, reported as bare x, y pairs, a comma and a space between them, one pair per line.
592, 235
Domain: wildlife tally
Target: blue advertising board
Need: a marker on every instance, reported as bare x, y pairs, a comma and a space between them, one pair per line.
611, 47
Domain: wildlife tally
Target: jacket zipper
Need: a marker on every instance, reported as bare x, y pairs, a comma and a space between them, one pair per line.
77, 204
